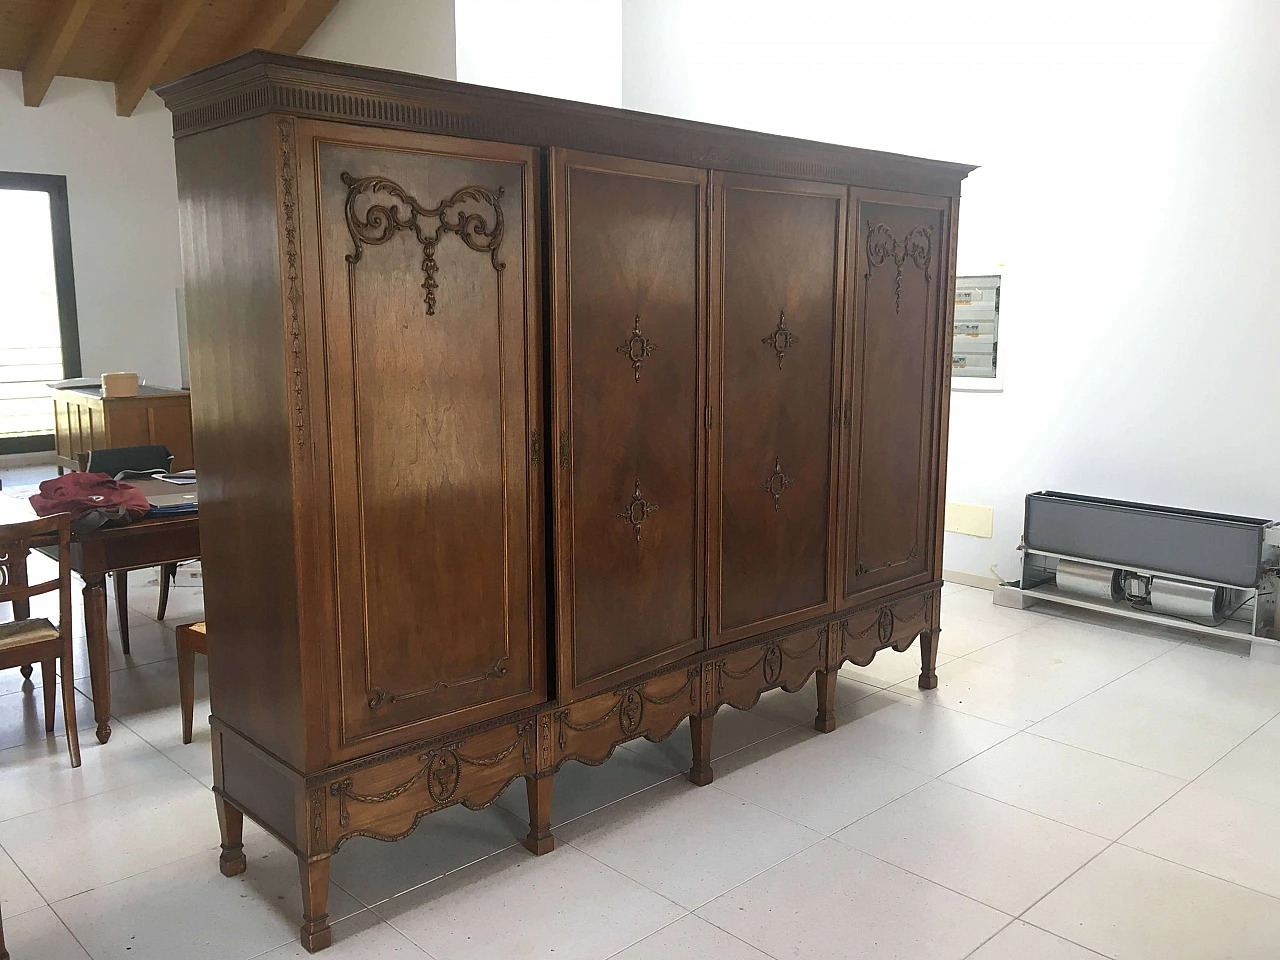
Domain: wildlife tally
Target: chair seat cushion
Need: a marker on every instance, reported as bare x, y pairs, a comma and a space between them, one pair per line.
19, 633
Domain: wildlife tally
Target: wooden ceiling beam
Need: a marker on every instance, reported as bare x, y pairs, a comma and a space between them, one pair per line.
51, 49
266, 27
157, 44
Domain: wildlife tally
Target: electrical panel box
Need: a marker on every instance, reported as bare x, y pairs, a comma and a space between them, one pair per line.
977, 327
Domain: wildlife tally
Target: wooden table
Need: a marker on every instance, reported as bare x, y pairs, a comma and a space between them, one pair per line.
146, 543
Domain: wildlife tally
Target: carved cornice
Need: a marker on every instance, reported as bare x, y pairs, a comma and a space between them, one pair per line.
261, 83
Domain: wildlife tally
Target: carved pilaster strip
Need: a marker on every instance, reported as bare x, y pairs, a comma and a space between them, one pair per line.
287, 166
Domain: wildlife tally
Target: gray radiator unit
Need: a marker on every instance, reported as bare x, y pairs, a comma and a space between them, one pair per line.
1206, 572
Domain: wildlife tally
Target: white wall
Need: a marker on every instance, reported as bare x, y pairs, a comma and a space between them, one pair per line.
1129, 188
123, 200
412, 35
558, 48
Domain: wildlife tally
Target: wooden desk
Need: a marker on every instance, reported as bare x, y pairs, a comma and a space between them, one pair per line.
147, 543
84, 420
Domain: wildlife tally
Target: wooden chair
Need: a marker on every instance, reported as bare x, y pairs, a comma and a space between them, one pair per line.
36, 640
191, 640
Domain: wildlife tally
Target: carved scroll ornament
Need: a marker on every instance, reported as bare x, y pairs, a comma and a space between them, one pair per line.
916, 246
637, 511
781, 340
777, 483
481, 231
637, 348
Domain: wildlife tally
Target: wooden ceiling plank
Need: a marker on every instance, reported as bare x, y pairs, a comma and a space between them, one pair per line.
267, 26
157, 44
51, 49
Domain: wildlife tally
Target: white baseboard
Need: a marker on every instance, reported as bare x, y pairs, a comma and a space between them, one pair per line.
8, 460
969, 579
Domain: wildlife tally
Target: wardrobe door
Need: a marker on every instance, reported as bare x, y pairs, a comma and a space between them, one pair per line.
777, 295
428, 267
900, 265
628, 358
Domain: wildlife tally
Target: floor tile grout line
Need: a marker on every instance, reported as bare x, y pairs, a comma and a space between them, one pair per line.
1012, 921
419, 886
158, 866
1105, 756
100, 793
1060, 936
1049, 892
919, 876
17, 866
1188, 784
717, 896
1042, 816
70, 932
653, 933
1203, 873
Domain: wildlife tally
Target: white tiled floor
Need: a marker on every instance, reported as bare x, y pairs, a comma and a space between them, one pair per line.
1070, 790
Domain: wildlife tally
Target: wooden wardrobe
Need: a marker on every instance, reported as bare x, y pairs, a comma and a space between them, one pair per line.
527, 427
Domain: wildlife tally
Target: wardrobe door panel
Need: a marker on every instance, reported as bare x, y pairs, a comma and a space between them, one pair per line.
899, 267
628, 355
431, 341
778, 257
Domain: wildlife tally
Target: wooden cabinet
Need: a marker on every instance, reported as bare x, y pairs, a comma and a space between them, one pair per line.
629, 322
778, 267
528, 428
85, 420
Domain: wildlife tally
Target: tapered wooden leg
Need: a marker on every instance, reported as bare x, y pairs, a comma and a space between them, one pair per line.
540, 839
27, 670
121, 580
929, 659
232, 862
186, 685
316, 933
49, 680
69, 704
168, 573
700, 732
95, 628
825, 721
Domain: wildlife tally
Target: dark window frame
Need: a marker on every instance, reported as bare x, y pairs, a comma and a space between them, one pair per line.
55, 186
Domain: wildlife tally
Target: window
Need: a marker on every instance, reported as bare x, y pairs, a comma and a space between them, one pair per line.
977, 328
40, 340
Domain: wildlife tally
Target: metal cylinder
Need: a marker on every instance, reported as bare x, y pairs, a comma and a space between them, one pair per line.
1087, 580
1179, 599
